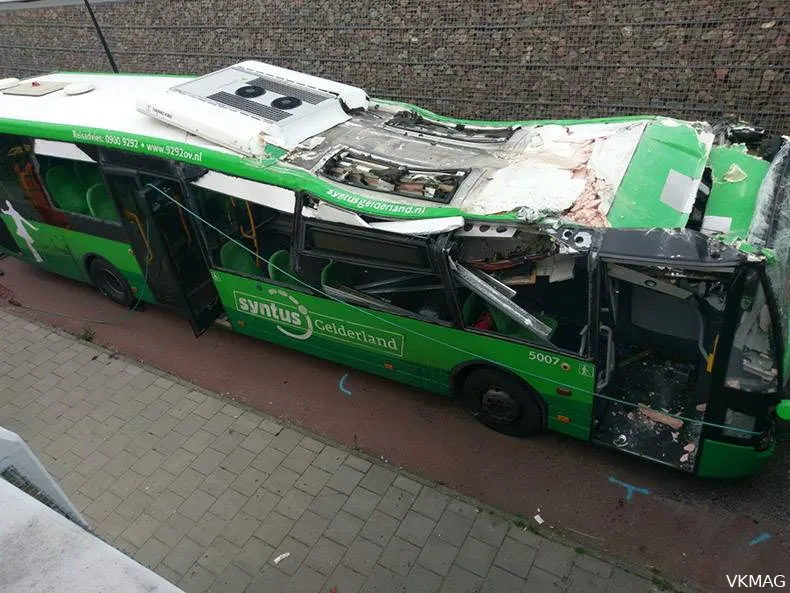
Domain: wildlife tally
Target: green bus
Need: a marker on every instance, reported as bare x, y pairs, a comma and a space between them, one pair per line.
621, 280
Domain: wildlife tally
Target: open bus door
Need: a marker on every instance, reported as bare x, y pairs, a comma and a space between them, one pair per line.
663, 313
165, 243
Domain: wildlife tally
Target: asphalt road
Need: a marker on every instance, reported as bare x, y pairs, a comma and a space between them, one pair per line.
691, 529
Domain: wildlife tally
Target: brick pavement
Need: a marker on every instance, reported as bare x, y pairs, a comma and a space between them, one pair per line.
209, 494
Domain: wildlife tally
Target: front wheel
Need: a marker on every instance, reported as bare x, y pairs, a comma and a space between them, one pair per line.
110, 282
503, 402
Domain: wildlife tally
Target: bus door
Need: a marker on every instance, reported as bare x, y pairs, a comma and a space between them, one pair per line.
662, 310
165, 243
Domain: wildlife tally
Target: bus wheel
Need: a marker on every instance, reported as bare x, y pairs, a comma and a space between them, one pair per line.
504, 403
110, 282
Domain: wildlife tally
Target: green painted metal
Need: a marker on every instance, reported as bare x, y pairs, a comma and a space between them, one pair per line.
664, 148
408, 350
65, 252
725, 460
737, 177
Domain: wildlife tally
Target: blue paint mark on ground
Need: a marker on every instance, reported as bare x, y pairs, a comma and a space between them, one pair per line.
630, 489
342, 385
760, 539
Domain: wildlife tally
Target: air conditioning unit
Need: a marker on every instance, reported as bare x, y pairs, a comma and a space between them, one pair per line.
248, 105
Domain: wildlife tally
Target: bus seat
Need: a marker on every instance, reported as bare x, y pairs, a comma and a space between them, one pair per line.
101, 205
336, 274
88, 173
474, 306
280, 267
233, 257
66, 190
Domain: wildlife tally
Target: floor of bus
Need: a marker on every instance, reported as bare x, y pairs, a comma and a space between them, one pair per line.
629, 425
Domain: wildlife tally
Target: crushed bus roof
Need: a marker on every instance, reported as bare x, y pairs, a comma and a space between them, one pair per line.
376, 157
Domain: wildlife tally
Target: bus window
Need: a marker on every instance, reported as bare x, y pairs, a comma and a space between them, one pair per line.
262, 231
752, 365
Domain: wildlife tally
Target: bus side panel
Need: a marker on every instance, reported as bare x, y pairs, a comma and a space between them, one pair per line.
408, 350
43, 245
117, 253
725, 460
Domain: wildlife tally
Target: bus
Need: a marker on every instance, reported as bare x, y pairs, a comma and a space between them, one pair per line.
621, 280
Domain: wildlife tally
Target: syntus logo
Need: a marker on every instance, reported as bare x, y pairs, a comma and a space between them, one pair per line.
293, 318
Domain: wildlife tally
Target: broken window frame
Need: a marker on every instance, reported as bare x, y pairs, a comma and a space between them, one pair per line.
410, 121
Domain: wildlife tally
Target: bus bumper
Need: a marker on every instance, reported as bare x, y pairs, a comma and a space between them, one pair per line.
725, 460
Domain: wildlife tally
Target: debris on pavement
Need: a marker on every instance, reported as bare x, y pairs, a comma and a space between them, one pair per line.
281, 557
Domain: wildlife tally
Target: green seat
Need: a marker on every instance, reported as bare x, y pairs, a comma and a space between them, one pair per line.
66, 190
88, 173
234, 257
101, 205
280, 266
336, 274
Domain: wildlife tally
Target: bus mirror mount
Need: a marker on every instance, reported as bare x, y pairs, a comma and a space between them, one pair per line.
783, 410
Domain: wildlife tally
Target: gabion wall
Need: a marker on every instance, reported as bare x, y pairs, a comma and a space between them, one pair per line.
697, 59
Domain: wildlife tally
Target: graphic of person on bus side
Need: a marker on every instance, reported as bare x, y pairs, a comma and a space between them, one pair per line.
21, 231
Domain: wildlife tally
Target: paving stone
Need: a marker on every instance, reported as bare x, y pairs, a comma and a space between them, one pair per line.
187, 482
228, 504
382, 580
218, 482
237, 460
476, 556
196, 505
197, 580
396, 502
362, 503
358, 463
346, 580
307, 579
218, 555
245, 423
207, 461
209, 407
241, 528
156, 484
311, 444
438, 555
198, 442
407, 484
328, 502
103, 505
297, 553
362, 555
91, 487
515, 557
274, 528
151, 553
324, 556
459, 580
299, 459
626, 582
261, 503
141, 529
399, 556
421, 580
345, 479
581, 581
207, 529
231, 580
249, 481
490, 529
415, 528
176, 527
343, 528
281, 480
253, 555
270, 426
309, 527
112, 527
218, 423
593, 565
431, 503
183, 556
148, 463
257, 440
312, 480
525, 536
464, 509
270, 579
554, 558
286, 440
178, 462
330, 459
452, 527
379, 528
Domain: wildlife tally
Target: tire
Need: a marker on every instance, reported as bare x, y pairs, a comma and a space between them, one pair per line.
110, 282
504, 403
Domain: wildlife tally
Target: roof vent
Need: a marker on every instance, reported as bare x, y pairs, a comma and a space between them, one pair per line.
234, 106
78, 88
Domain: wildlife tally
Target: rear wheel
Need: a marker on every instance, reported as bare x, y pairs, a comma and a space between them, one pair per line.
503, 402
110, 282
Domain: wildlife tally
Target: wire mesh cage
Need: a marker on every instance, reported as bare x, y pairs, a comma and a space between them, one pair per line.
525, 59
